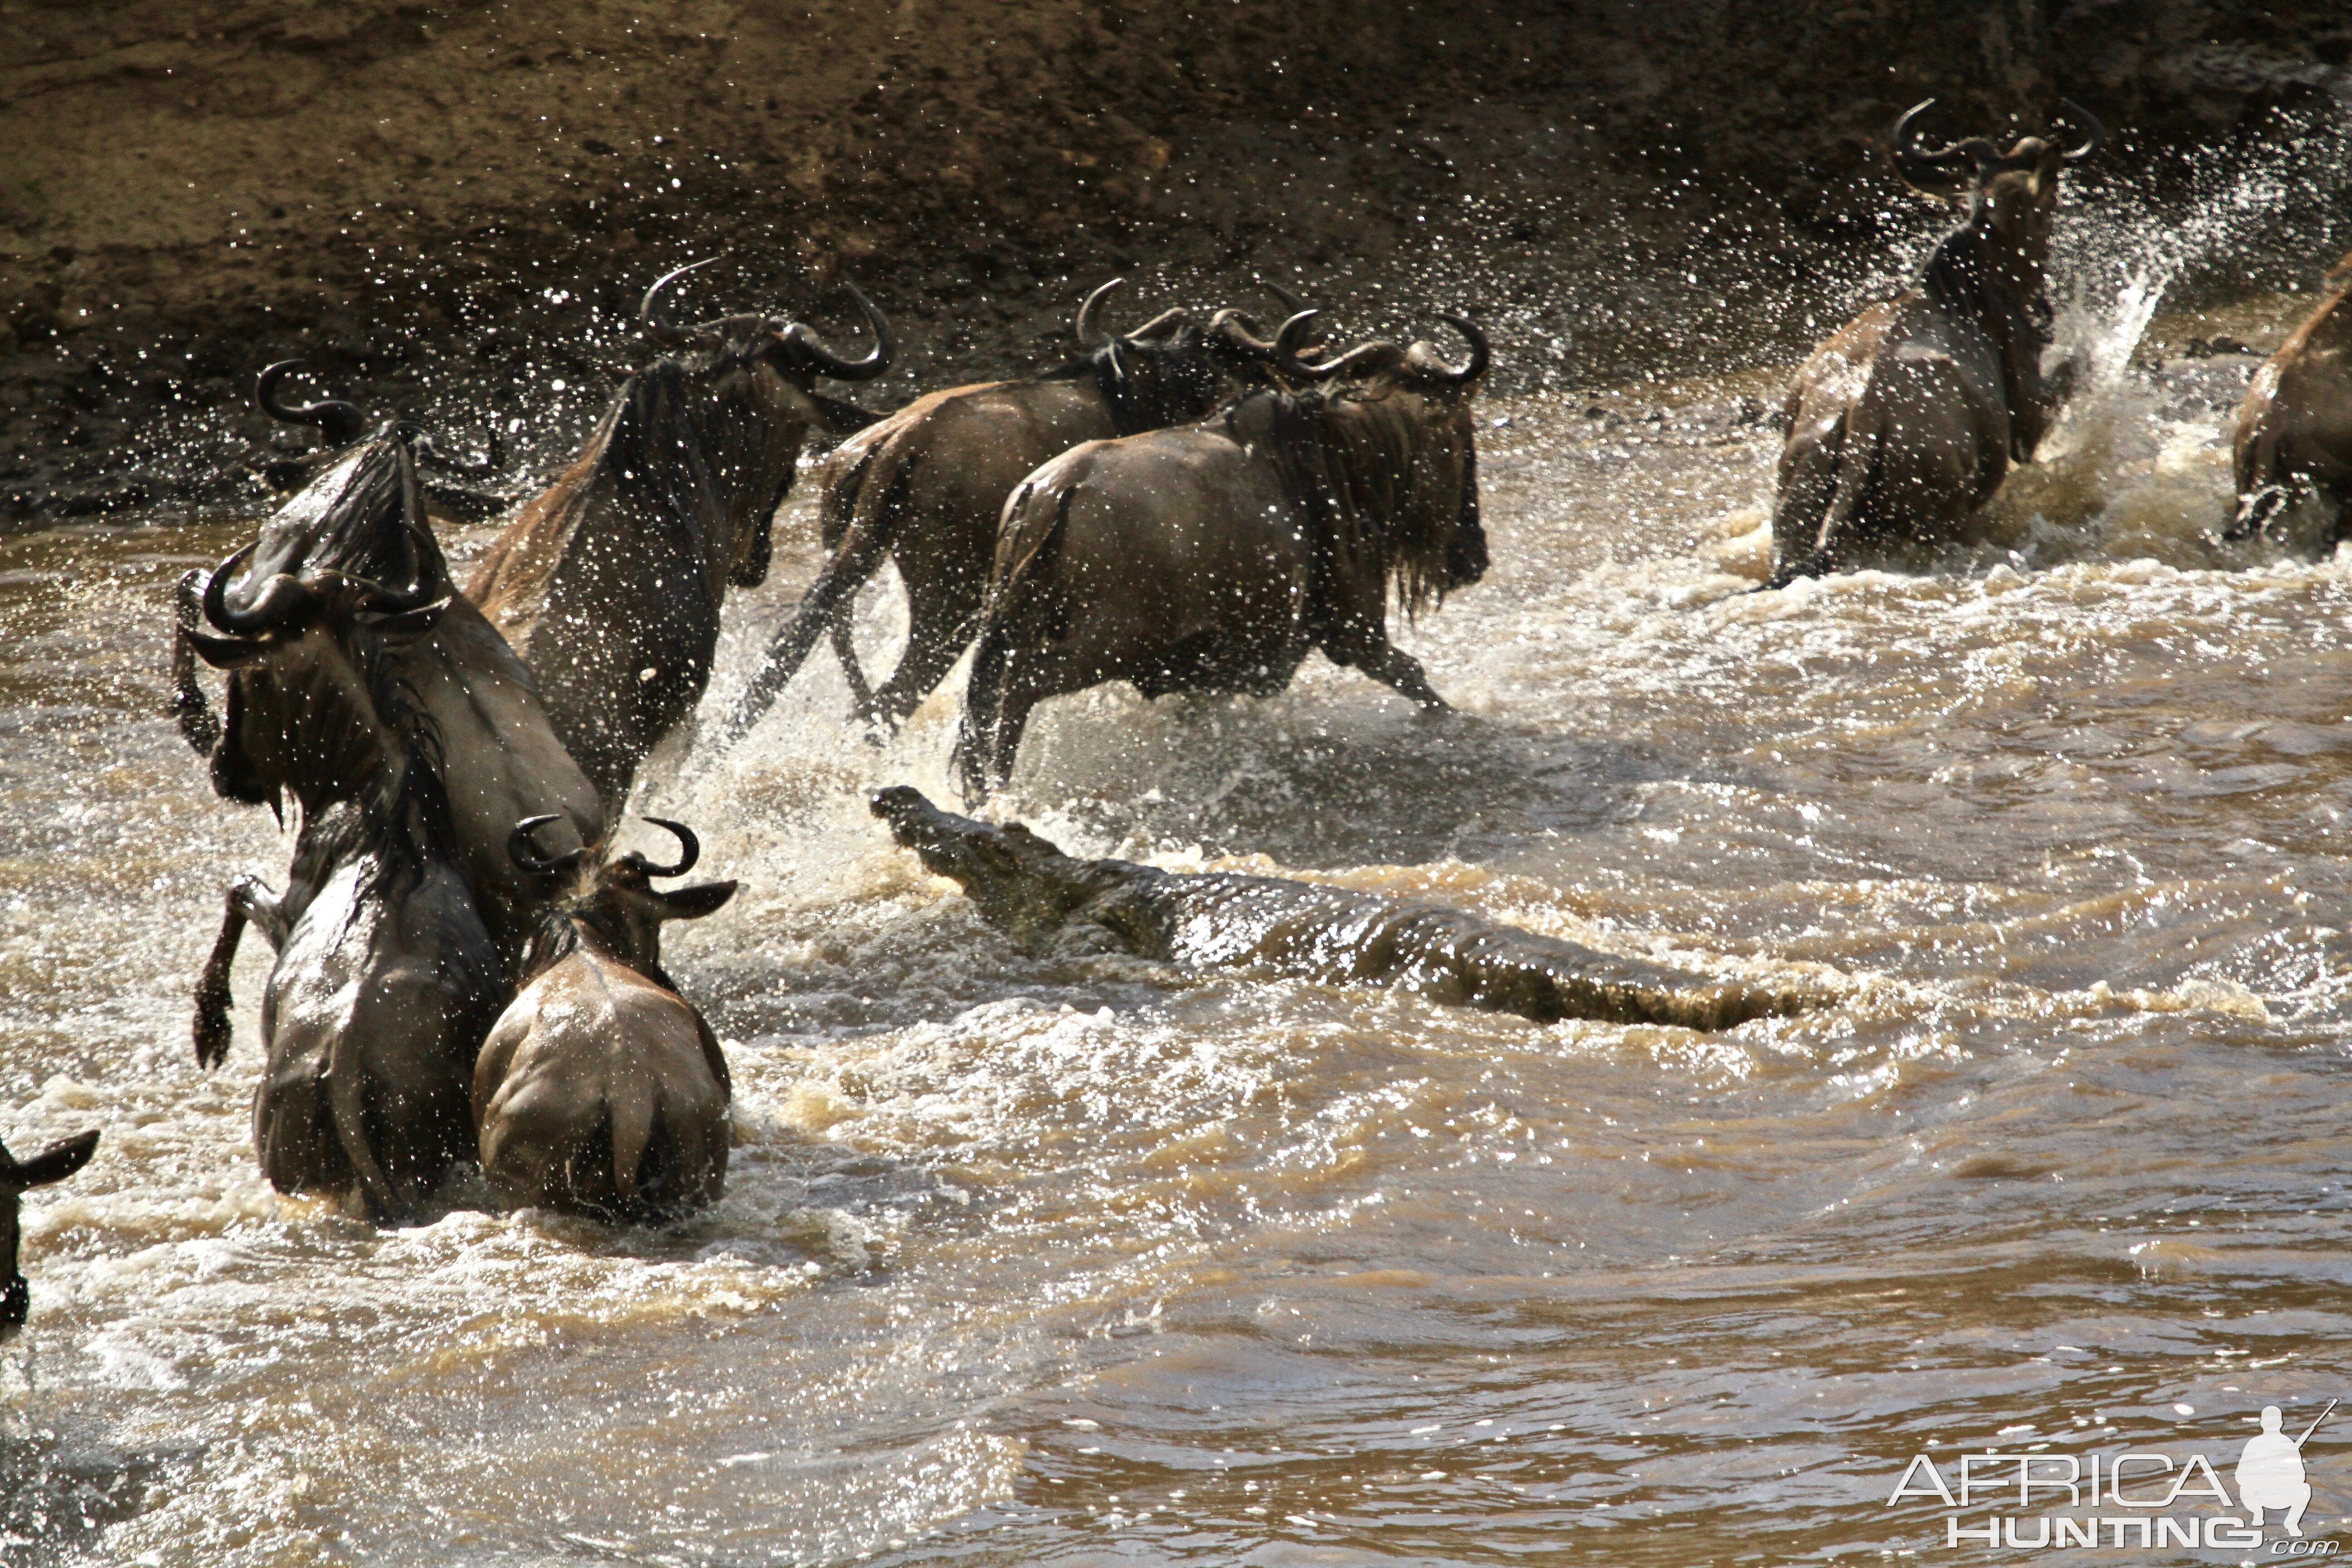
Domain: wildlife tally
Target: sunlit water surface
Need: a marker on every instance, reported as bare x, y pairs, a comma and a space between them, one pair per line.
1025, 1261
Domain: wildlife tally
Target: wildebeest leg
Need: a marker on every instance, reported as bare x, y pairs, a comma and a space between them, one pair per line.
827, 600
1392, 666
198, 727
938, 624
845, 650
2256, 512
1846, 471
249, 899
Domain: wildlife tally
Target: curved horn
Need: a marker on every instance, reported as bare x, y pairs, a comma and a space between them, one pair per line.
1164, 321
1239, 329
1292, 337
284, 599
527, 857
2095, 135
649, 313
370, 597
1481, 356
1934, 171
1091, 336
1290, 340
811, 348
341, 423
690, 850
1291, 304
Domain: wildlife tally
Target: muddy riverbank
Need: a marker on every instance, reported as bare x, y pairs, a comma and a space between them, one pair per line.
450, 210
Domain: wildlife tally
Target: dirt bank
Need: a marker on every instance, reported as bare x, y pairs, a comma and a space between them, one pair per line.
449, 209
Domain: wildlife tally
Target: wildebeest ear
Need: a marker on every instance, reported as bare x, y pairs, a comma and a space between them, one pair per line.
51, 1164
226, 653
693, 904
843, 418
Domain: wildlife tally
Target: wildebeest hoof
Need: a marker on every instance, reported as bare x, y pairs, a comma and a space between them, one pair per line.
212, 1033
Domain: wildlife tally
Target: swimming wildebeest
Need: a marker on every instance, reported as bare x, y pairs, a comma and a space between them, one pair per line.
1215, 556
300, 720
601, 1090
925, 486
2294, 431
609, 584
386, 976
385, 982
54, 1163
1907, 420
1038, 896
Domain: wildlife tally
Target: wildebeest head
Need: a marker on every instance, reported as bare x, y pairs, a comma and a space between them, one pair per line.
2013, 193
1172, 369
346, 570
18, 1176
736, 394
1405, 415
615, 898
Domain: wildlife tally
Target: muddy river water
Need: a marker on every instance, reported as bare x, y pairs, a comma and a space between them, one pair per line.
1026, 1260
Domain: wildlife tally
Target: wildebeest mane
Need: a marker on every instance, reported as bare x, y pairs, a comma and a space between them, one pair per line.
408, 812
1149, 384
1349, 456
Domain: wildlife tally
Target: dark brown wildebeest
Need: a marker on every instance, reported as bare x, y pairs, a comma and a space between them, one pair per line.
2294, 431
601, 1090
299, 719
1215, 556
54, 1163
1907, 418
609, 584
339, 424
1043, 899
385, 982
925, 486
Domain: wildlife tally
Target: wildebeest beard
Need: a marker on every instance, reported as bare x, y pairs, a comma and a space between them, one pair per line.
1151, 384
1358, 466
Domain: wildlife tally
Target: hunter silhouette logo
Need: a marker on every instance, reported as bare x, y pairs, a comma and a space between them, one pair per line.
2139, 1497
2269, 1472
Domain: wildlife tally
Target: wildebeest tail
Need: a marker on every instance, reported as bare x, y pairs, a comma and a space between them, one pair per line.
633, 1116
346, 1102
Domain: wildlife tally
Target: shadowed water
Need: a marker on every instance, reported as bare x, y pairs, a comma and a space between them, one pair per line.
1088, 1259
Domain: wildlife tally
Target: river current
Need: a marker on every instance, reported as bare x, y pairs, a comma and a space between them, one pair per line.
1026, 1260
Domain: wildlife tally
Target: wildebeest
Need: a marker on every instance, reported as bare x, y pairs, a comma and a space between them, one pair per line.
1214, 556
385, 982
601, 1090
1040, 896
925, 486
299, 720
1907, 418
609, 584
339, 424
2294, 431
52, 1165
